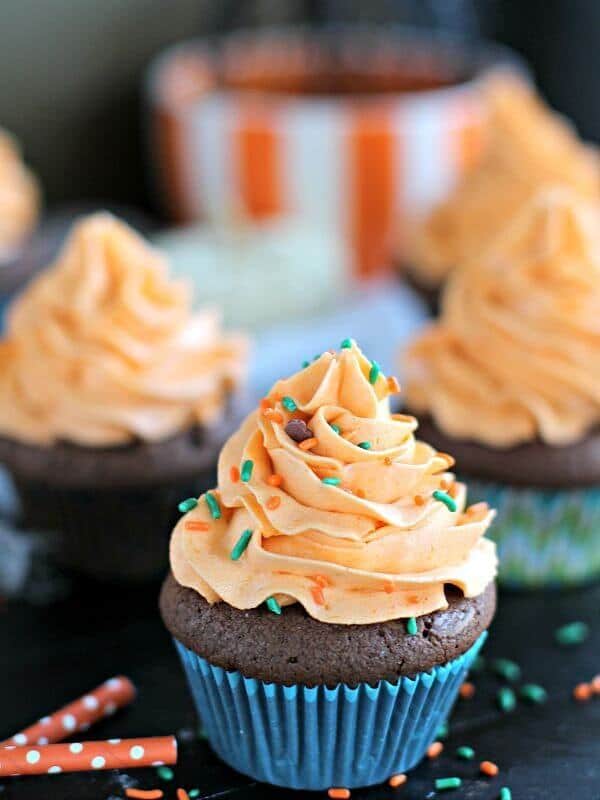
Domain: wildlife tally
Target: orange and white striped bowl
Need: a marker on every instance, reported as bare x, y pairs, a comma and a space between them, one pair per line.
360, 130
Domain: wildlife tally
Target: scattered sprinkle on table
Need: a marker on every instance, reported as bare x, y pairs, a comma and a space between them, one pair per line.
466, 753
241, 544
365, 445
467, 690
411, 626
194, 793
442, 784
345, 344
182, 794
442, 731
246, 471
532, 693
489, 769
397, 780
164, 773
507, 669
331, 481
213, 505
434, 750
582, 692
187, 505
289, 403
144, 794
374, 372
338, 793
572, 633
506, 699
273, 605
445, 498
505, 793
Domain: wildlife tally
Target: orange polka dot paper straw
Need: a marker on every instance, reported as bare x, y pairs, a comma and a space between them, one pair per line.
101, 702
52, 759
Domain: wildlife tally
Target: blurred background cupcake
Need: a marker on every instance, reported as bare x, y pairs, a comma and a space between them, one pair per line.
527, 147
508, 380
114, 399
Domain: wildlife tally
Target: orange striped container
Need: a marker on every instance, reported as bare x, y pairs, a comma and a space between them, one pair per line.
357, 129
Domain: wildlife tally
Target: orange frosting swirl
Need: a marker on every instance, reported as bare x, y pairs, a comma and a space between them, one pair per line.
19, 196
372, 543
103, 348
516, 353
529, 147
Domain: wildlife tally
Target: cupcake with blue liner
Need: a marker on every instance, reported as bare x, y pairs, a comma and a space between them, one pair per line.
328, 598
509, 378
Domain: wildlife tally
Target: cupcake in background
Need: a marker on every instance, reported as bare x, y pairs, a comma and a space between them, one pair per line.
509, 380
19, 211
328, 598
529, 147
114, 399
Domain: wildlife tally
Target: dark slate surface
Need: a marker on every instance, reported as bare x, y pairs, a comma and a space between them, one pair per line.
52, 654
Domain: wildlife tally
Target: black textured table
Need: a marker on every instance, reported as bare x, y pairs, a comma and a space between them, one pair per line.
50, 655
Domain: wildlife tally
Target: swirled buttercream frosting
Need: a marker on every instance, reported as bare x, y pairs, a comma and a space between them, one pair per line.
515, 355
327, 499
103, 347
19, 196
528, 147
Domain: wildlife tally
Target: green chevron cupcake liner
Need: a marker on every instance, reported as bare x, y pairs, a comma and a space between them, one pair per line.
545, 537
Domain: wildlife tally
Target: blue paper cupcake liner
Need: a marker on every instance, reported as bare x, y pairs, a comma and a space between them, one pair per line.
315, 738
545, 537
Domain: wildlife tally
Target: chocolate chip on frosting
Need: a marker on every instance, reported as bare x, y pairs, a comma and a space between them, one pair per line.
298, 430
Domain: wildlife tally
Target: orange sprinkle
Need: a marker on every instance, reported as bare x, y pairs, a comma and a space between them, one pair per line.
317, 595
338, 794
273, 502
393, 385
444, 484
434, 749
582, 692
360, 493
197, 525
453, 490
388, 587
275, 480
273, 416
467, 690
489, 768
322, 580
144, 794
419, 500
595, 684
182, 794
265, 403
234, 474
397, 780
308, 444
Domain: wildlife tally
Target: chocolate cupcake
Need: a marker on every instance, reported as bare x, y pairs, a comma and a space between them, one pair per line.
528, 147
328, 598
509, 379
114, 400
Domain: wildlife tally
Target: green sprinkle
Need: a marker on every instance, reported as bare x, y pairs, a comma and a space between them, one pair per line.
346, 344
187, 505
506, 669
466, 753
305, 364
165, 773
443, 731
365, 445
374, 372
448, 783
194, 793
532, 693
288, 402
505, 793
571, 634
444, 498
335, 428
506, 699
478, 665
411, 626
213, 505
315, 358
241, 544
332, 481
273, 605
246, 471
